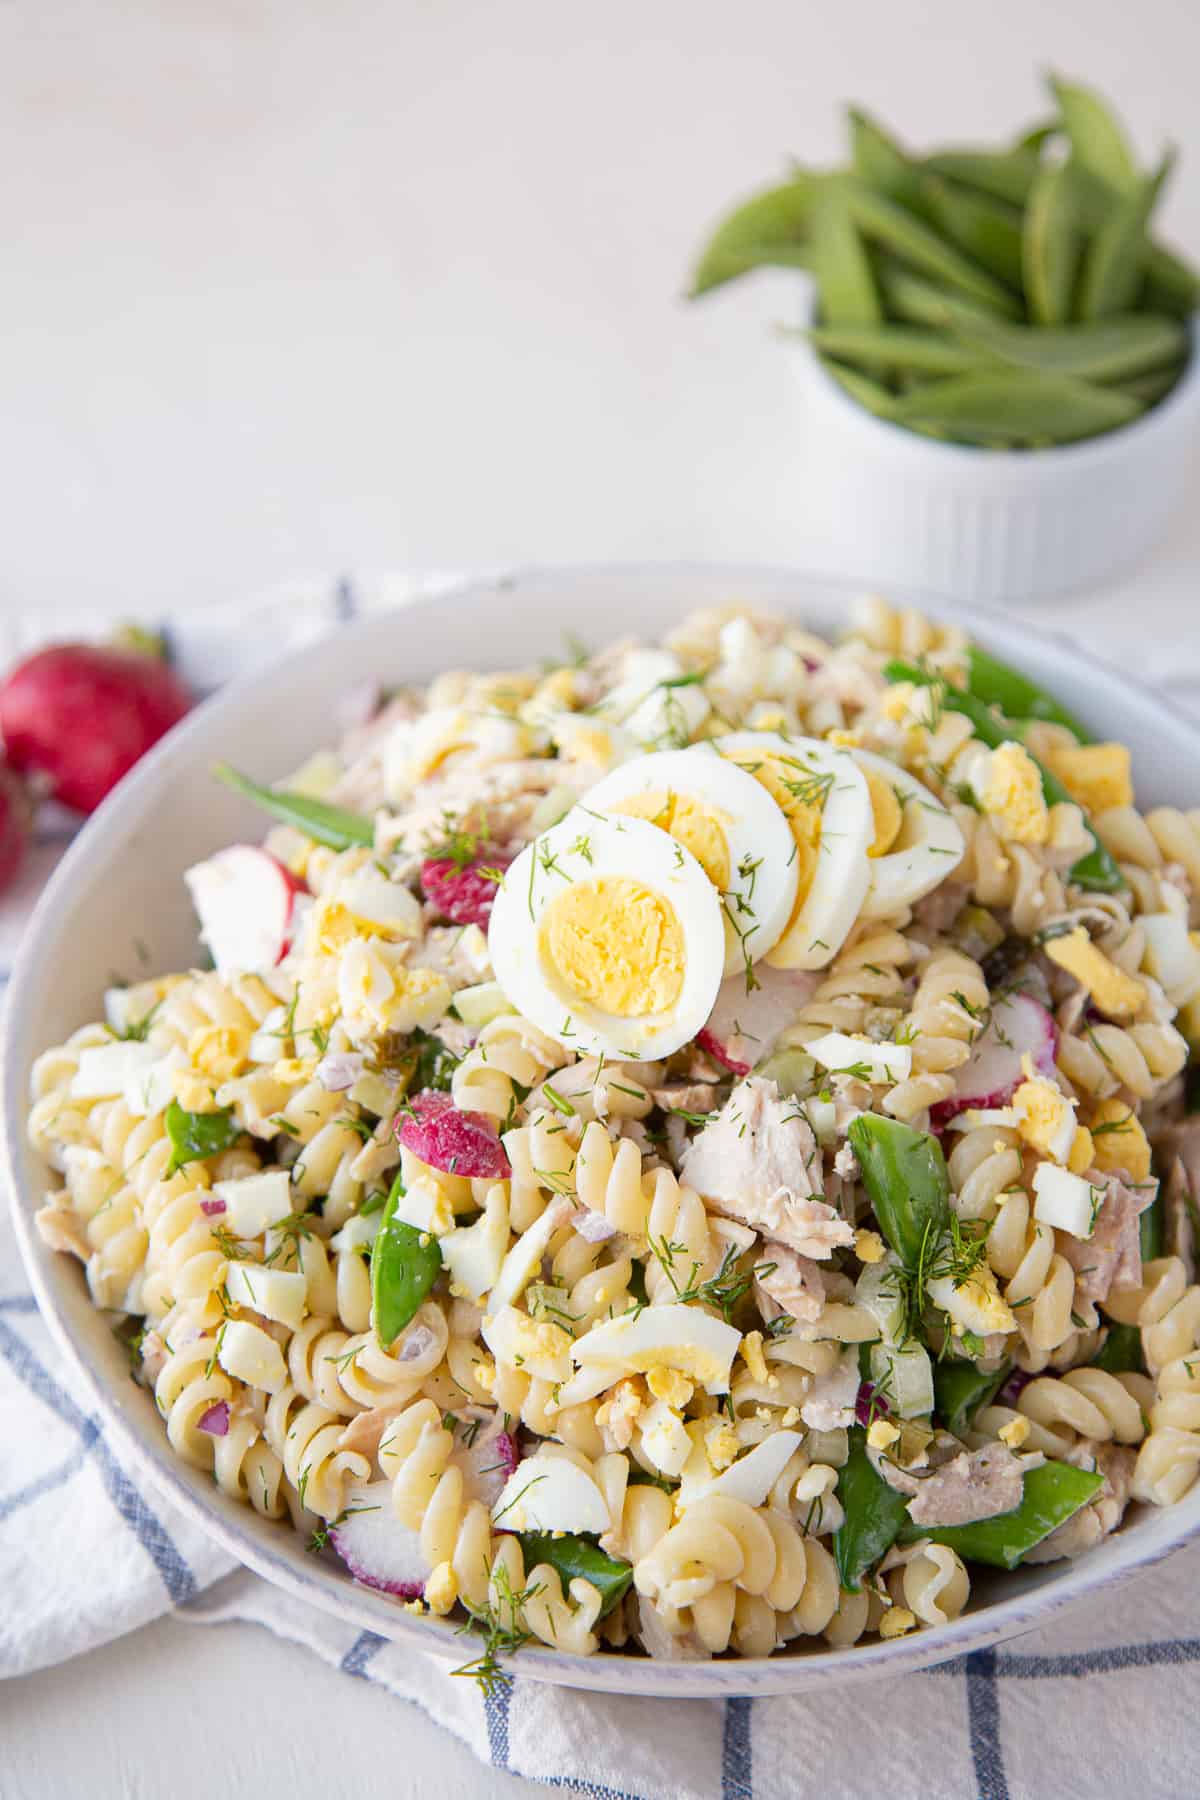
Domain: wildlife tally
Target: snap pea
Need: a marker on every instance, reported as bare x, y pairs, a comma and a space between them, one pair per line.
917, 301
1052, 1494
879, 161
1017, 405
1095, 135
1002, 174
902, 347
330, 825
960, 1389
575, 1557
771, 228
1052, 242
875, 1514
1155, 384
905, 1176
996, 684
1097, 870
1106, 350
1150, 1229
988, 230
405, 1264
1171, 284
1121, 1351
884, 223
193, 1135
1115, 260
842, 267
872, 394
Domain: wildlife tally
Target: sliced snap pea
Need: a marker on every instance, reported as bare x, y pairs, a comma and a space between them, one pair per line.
1106, 350
988, 230
1095, 134
905, 1176
879, 161
960, 1389
1052, 242
1097, 870
890, 226
405, 1263
330, 825
193, 1136
1115, 260
771, 228
842, 267
1017, 404
1052, 1494
574, 1558
1121, 1352
875, 1514
902, 347
993, 682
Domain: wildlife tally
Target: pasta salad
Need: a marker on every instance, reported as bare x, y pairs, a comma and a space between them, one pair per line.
684, 1151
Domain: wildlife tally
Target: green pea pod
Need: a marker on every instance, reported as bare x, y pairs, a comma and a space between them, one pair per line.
875, 1514
842, 267
1172, 286
904, 347
194, 1136
1052, 241
988, 230
331, 825
906, 1180
1017, 697
918, 301
869, 393
879, 161
1121, 1351
770, 229
574, 1557
1097, 870
960, 1389
1115, 261
1155, 385
1150, 1229
1000, 174
1052, 1494
1016, 405
893, 228
1105, 350
405, 1264
1096, 135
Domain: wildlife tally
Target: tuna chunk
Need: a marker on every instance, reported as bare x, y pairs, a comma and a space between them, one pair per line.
758, 1162
976, 1484
795, 1285
829, 1403
1112, 1256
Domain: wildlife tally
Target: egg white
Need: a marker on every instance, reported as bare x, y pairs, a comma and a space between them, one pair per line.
819, 927
928, 848
761, 888
587, 846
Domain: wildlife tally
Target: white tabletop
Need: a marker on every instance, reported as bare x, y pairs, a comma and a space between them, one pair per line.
288, 288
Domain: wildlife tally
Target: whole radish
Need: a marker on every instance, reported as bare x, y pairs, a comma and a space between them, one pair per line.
83, 714
15, 818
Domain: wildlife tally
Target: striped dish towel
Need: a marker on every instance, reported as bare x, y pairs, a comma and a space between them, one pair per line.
1100, 1703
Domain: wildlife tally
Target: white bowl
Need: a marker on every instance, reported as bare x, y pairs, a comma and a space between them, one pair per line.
119, 888
979, 526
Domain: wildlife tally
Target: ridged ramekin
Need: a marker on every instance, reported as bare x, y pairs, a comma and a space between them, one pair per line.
989, 525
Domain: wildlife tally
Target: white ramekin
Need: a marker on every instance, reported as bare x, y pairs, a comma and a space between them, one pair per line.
989, 525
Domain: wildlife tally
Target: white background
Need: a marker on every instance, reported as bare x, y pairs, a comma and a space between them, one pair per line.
288, 287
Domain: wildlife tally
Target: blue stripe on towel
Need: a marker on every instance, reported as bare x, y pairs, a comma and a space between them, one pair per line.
737, 1778
983, 1720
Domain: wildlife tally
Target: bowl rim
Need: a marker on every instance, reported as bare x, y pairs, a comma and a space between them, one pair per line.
332, 1592
1105, 447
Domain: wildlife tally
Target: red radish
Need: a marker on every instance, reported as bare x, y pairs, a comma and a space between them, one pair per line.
488, 1461
376, 1548
458, 1143
744, 1027
16, 815
84, 715
212, 1208
245, 901
1018, 1026
870, 1404
463, 895
216, 1420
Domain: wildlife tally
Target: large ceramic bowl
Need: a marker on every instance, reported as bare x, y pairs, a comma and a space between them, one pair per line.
120, 888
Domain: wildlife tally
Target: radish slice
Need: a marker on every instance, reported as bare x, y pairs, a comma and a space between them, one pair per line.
743, 1028
459, 1143
376, 1548
244, 900
1017, 1027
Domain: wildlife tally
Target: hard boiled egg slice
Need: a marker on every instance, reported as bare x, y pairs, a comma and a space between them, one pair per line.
607, 934
916, 844
823, 795
732, 827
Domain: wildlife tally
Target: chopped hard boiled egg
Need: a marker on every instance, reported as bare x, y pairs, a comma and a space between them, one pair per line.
253, 1203
607, 934
550, 1493
250, 1354
1118, 995
1066, 1201
280, 1294
1012, 795
1045, 1117
861, 1056
824, 797
732, 827
672, 1336
1096, 776
1118, 1140
917, 843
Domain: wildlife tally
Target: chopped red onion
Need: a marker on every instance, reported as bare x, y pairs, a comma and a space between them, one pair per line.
593, 1227
870, 1403
216, 1420
1011, 1392
506, 1448
212, 1208
339, 1070
416, 1343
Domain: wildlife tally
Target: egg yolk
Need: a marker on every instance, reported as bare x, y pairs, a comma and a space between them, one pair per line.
698, 827
887, 812
616, 944
800, 794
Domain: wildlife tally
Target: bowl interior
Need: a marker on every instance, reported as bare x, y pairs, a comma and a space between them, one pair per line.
117, 907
